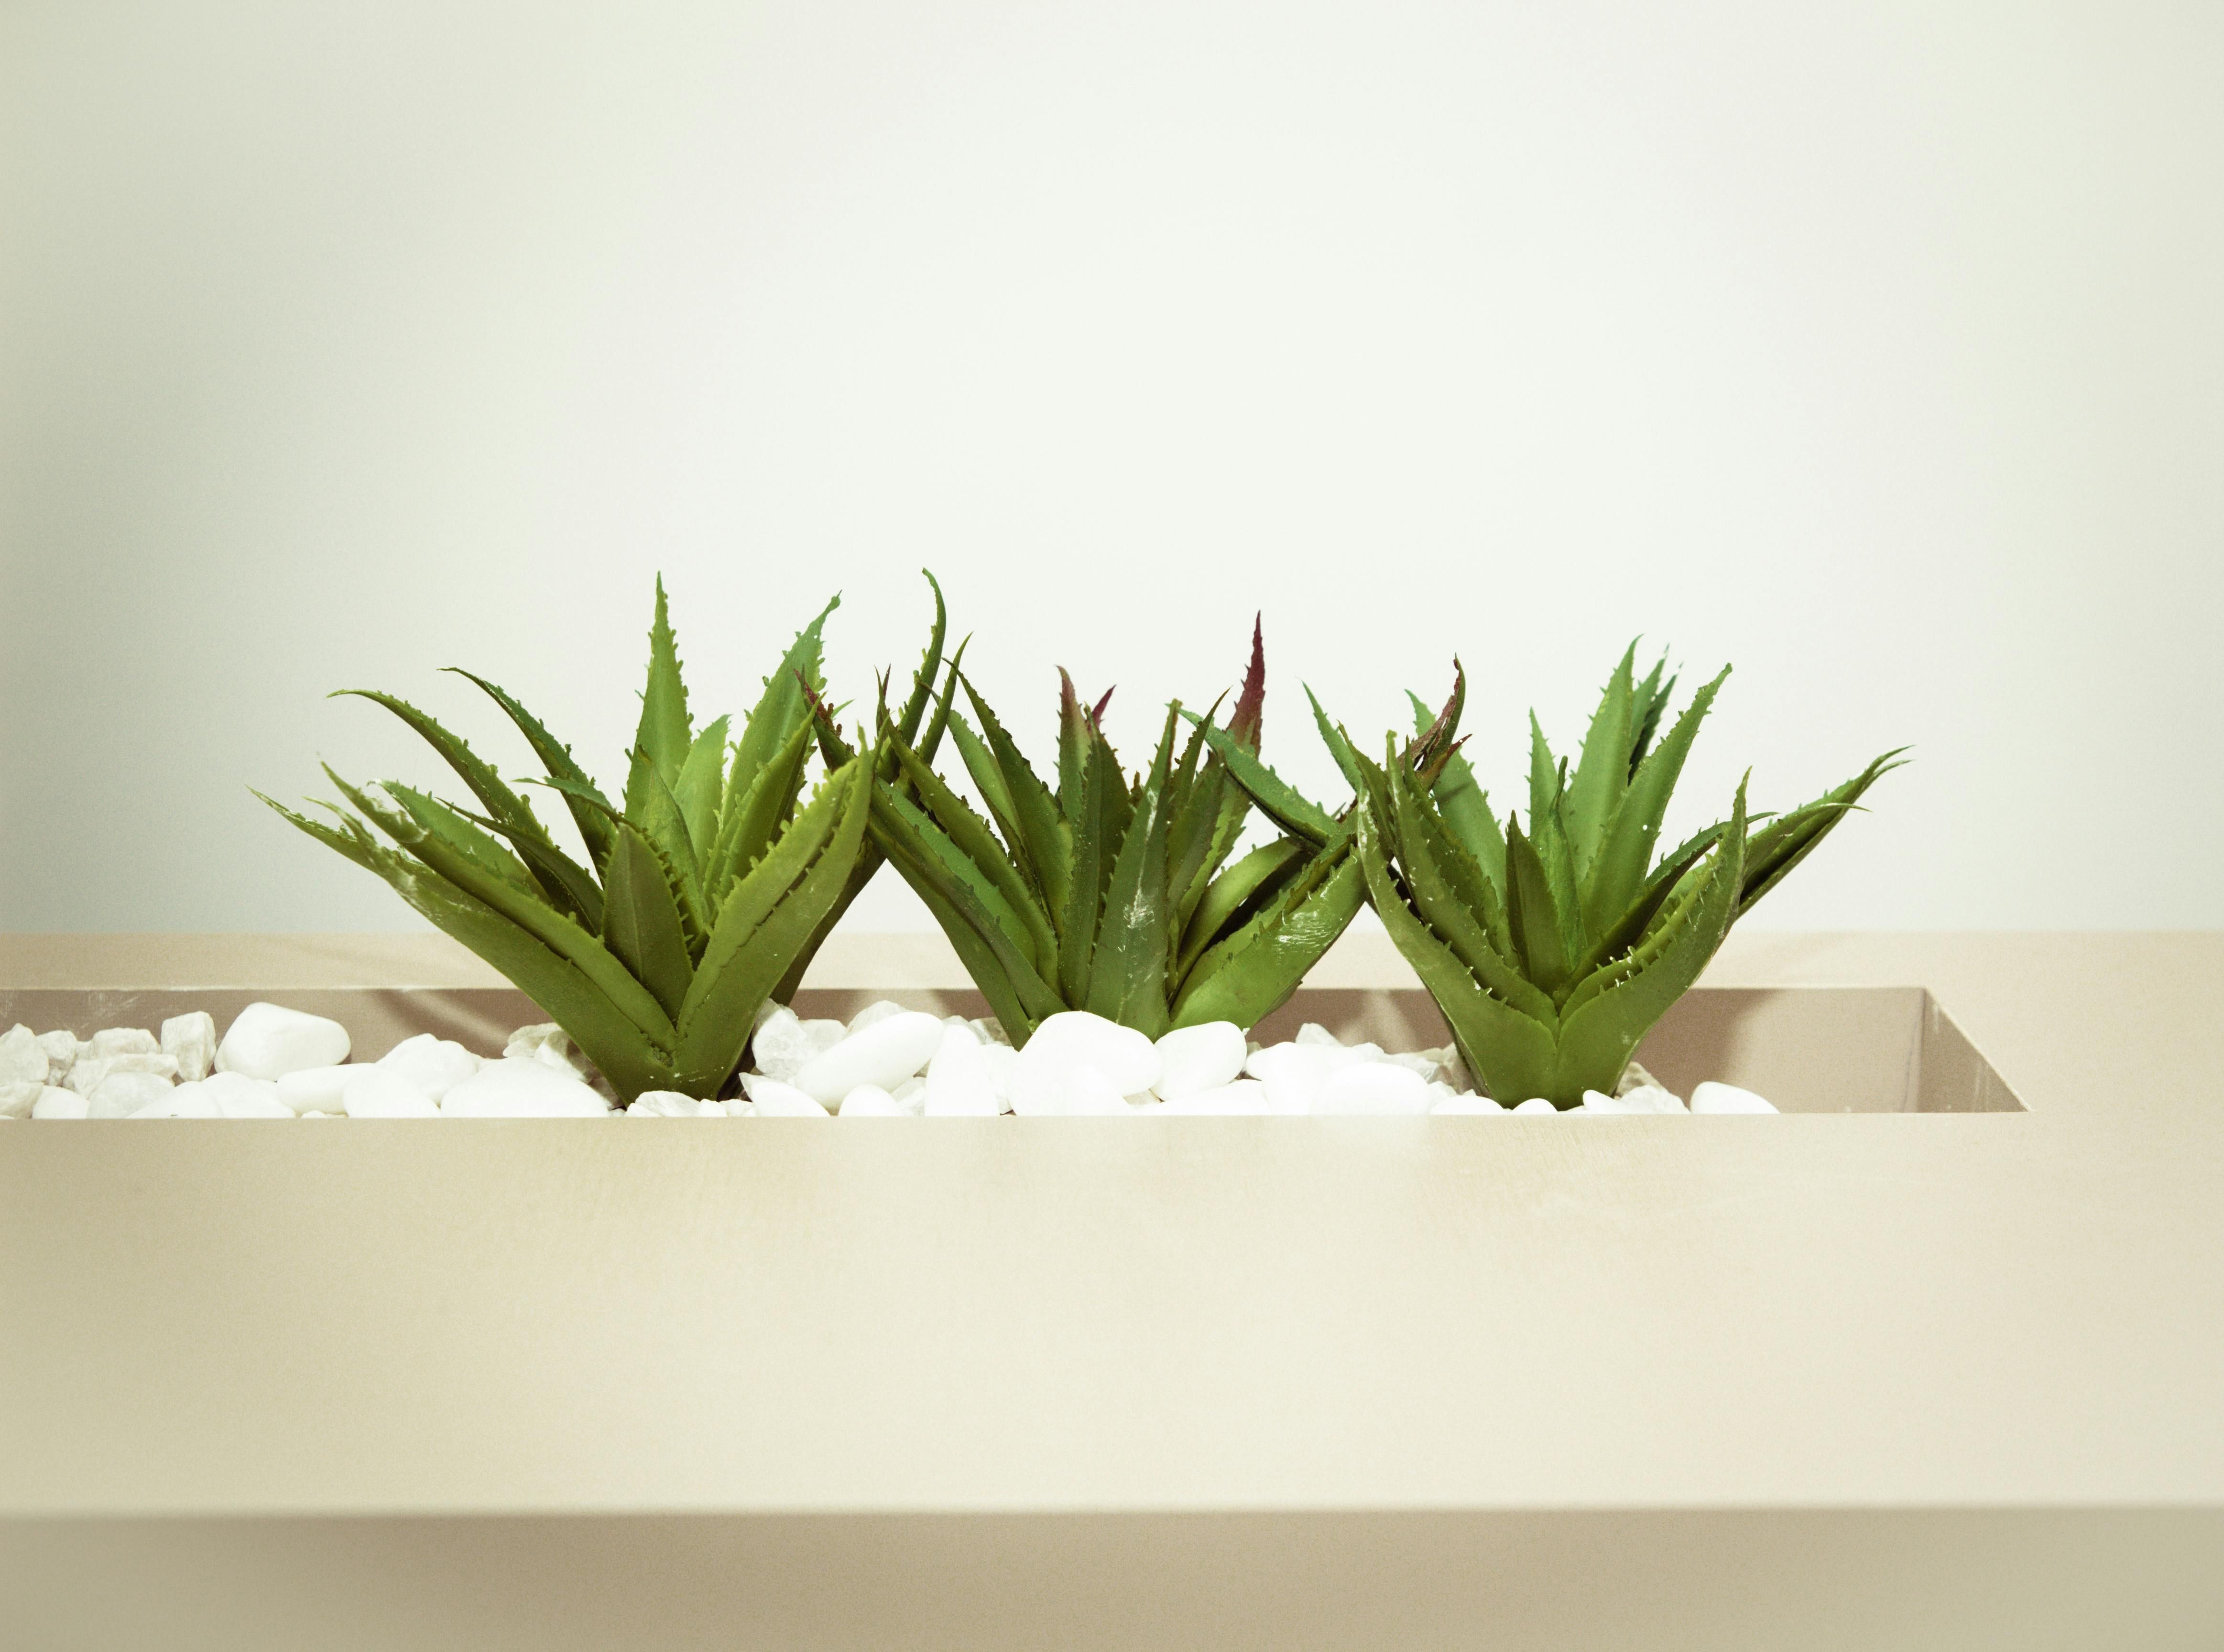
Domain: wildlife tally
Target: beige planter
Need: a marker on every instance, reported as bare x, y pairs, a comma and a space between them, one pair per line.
1821, 1381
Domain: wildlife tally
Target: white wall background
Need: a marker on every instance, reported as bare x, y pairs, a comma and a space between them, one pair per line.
1876, 347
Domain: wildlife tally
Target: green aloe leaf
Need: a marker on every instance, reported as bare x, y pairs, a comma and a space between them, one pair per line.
1513, 1055
632, 1061
1464, 805
1235, 892
452, 827
556, 757
1626, 848
922, 695
1093, 850
1650, 700
701, 787
554, 929
567, 885
1451, 895
1339, 744
1044, 846
753, 818
1276, 798
771, 915
641, 922
504, 805
661, 744
1128, 976
784, 707
1532, 921
1249, 974
1788, 840
1602, 770
1600, 1027
971, 840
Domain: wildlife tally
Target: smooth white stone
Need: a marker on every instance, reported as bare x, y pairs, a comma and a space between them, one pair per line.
235, 1090
871, 1102
190, 1041
374, 1093
770, 1099
91, 1072
1536, 1104
1712, 1097
1414, 1062
17, 1098
1089, 1094
989, 1030
1004, 1072
785, 1045
182, 1101
1374, 1088
318, 1112
54, 1102
1598, 1105
884, 1055
125, 1041
270, 1041
249, 1098
1651, 1098
910, 1094
1468, 1103
434, 1065
959, 1082
1070, 1043
61, 1054
549, 1044
665, 1104
518, 1088
319, 1089
1293, 1073
22, 1060
1314, 1036
121, 1095
1199, 1058
1243, 1097
880, 1010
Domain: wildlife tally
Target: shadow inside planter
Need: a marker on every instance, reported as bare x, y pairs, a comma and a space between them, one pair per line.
1807, 1049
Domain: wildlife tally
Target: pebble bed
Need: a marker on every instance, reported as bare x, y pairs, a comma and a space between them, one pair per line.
885, 1062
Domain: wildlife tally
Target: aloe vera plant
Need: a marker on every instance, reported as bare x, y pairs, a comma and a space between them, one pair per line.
704, 892
1553, 949
1103, 892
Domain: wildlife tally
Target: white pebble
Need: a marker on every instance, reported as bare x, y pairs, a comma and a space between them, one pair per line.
319, 1089
247, 1098
959, 1083
184, 1102
873, 1013
1536, 1104
1712, 1097
1070, 1044
1314, 1036
318, 1112
434, 1065
88, 1073
884, 1055
773, 1099
125, 1041
268, 1041
519, 1087
784, 1045
18, 1097
22, 1059
1374, 1088
1195, 1059
1294, 1072
54, 1102
61, 1054
667, 1104
377, 1093
1468, 1103
911, 1095
1244, 1097
989, 1030
871, 1102
121, 1094
190, 1041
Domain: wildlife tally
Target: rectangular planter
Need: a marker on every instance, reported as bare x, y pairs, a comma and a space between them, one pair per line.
1822, 1381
